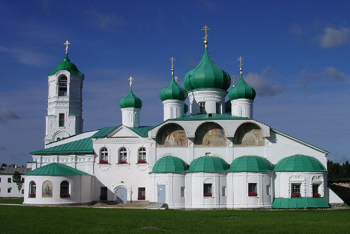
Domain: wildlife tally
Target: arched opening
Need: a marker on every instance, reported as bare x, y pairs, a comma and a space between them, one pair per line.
64, 189
172, 135
210, 135
32, 189
142, 155
62, 86
249, 134
123, 156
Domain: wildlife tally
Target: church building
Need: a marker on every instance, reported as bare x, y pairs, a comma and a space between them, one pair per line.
210, 153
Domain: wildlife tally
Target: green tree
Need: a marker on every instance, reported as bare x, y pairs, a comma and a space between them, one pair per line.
17, 178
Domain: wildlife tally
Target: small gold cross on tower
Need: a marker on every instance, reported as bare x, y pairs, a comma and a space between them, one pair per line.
234, 81
240, 59
172, 59
66, 44
206, 29
130, 79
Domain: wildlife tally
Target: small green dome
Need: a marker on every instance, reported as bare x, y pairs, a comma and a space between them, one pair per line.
299, 162
131, 100
242, 90
208, 164
173, 91
170, 164
68, 66
185, 108
250, 164
207, 75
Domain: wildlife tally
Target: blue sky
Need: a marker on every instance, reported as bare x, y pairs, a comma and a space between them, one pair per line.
296, 57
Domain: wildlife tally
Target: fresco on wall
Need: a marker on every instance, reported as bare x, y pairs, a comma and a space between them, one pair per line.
47, 188
172, 135
249, 135
210, 135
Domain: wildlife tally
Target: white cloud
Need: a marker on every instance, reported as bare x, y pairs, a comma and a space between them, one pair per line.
262, 85
6, 115
334, 37
334, 74
107, 22
26, 57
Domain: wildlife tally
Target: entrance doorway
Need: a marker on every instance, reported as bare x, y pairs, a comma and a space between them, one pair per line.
161, 193
121, 195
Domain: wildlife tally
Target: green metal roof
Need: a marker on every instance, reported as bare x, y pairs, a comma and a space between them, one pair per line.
56, 169
207, 75
299, 202
142, 131
210, 116
83, 146
242, 90
68, 66
300, 141
250, 164
130, 100
299, 162
208, 164
173, 91
103, 132
170, 164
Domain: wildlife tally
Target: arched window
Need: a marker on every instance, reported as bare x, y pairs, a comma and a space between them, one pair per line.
64, 189
123, 155
62, 86
142, 155
32, 189
201, 107
249, 134
172, 135
210, 135
104, 155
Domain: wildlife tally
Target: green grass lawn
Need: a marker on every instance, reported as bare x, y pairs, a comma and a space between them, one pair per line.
25, 219
11, 200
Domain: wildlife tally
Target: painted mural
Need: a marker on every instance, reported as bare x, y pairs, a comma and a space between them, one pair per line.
249, 135
172, 135
47, 188
210, 135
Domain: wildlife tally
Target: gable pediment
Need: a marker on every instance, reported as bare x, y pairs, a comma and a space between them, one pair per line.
123, 132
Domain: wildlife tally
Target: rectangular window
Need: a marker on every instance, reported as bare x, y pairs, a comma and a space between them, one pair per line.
61, 120
8, 180
182, 191
223, 192
22, 191
0, 180
268, 188
218, 108
9, 190
295, 190
315, 192
141, 194
207, 192
22, 180
202, 107
252, 190
103, 194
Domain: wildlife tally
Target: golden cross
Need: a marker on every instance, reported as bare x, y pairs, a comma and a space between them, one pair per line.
176, 79
131, 81
240, 59
234, 81
205, 29
66, 44
172, 59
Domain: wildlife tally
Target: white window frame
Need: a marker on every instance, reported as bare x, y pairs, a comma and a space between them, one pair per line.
122, 155
104, 155
142, 155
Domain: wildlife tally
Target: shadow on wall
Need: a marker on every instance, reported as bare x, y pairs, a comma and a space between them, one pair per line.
342, 191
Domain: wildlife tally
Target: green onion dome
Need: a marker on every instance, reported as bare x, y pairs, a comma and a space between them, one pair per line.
208, 164
170, 164
242, 90
173, 91
250, 164
131, 100
207, 75
185, 108
298, 163
68, 66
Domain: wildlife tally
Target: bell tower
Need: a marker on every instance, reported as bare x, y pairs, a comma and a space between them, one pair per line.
65, 103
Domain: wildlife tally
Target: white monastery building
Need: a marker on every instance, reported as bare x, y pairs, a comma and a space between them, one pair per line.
211, 153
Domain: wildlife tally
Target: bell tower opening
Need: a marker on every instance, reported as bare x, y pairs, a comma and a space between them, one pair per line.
62, 86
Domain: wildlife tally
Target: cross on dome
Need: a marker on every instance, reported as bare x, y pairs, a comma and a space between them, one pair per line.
172, 59
130, 79
66, 44
240, 59
205, 29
